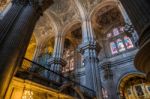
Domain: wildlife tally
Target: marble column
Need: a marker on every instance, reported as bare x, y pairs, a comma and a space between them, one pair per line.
89, 49
57, 62
139, 13
15, 38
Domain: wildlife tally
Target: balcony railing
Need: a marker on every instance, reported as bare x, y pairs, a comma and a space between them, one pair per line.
45, 76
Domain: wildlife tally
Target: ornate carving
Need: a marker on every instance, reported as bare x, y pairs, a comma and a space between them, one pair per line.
106, 17
44, 27
3, 4
65, 11
91, 46
61, 6
57, 61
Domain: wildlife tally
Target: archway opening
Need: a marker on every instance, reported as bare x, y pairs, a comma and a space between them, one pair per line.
73, 39
134, 86
109, 27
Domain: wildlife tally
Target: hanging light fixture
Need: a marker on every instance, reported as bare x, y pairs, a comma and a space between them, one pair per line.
27, 93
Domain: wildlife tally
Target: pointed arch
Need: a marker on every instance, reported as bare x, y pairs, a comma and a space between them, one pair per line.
101, 5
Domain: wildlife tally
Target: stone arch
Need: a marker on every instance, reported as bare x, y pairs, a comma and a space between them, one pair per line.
81, 9
101, 5
103, 17
44, 36
70, 86
54, 22
128, 75
70, 26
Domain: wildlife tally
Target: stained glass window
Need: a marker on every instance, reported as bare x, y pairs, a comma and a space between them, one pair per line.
113, 48
115, 31
120, 45
128, 42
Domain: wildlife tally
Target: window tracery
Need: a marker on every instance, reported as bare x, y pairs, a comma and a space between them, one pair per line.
113, 48
128, 42
119, 41
120, 45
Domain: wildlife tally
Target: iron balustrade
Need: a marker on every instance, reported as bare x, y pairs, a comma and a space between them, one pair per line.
44, 75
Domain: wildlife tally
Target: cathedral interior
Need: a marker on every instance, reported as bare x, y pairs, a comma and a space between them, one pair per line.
74, 49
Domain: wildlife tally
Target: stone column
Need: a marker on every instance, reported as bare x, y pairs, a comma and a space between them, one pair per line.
9, 19
89, 49
108, 75
139, 13
16, 39
56, 62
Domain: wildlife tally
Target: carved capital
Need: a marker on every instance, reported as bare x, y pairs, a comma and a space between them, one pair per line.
58, 61
90, 46
129, 28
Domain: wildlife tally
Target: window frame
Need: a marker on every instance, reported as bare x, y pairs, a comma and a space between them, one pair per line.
120, 36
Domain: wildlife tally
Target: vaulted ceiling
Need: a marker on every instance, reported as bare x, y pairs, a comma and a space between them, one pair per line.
66, 15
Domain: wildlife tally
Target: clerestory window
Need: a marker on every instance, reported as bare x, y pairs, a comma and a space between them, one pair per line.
119, 40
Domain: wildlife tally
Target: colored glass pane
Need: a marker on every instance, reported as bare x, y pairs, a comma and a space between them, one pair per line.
128, 42
120, 45
113, 48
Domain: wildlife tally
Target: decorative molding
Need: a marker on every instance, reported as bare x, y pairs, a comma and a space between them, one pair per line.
58, 61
